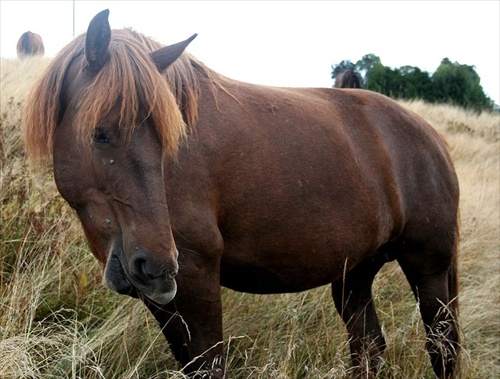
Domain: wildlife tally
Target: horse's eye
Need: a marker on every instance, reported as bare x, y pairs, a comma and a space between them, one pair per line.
100, 136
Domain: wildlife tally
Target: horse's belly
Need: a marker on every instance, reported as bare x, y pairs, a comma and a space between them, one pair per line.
276, 272
266, 280
296, 251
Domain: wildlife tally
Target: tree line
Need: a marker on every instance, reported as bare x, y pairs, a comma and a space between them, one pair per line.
452, 82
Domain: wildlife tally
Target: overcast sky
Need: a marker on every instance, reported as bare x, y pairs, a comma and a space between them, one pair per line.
285, 43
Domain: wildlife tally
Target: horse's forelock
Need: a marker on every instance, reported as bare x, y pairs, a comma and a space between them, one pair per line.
129, 77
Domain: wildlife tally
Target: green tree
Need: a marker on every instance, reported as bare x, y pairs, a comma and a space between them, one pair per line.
365, 65
384, 80
415, 84
459, 84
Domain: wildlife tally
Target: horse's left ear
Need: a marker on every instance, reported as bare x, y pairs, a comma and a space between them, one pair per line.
97, 41
165, 56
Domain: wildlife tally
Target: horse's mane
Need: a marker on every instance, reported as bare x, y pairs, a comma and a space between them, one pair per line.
129, 77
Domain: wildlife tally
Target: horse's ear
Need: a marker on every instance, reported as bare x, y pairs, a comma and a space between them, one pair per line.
165, 56
97, 41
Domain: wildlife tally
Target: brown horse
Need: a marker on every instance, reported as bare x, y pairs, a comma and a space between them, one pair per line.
30, 44
185, 180
348, 79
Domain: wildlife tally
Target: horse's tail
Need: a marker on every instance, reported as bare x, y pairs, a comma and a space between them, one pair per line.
453, 287
453, 308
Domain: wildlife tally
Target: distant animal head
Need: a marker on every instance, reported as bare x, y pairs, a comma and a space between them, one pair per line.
30, 44
348, 79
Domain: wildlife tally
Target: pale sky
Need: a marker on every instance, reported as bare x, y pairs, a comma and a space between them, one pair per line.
285, 43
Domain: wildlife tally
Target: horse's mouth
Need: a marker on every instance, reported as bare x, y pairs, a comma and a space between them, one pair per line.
159, 289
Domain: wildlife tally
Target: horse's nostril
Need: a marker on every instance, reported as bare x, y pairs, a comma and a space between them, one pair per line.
144, 270
139, 267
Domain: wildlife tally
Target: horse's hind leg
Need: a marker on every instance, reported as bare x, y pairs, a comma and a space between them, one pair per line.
431, 273
353, 299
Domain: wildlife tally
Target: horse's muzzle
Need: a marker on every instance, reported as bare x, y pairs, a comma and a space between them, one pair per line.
141, 277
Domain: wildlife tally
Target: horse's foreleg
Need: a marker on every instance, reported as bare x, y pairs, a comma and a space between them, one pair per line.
192, 326
198, 302
172, 327
202, 319
353, 299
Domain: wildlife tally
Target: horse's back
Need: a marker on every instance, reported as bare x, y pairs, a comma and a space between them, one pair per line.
320, 132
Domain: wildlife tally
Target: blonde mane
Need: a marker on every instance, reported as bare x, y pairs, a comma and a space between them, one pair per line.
130, 78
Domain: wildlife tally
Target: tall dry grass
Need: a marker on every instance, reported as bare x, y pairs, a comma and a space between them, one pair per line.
58, 321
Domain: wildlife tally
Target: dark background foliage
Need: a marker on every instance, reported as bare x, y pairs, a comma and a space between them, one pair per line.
451, 83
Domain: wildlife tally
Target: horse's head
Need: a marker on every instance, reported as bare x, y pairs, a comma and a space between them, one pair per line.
117, 120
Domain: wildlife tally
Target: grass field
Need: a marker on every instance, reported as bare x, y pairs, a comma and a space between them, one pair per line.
58, 321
